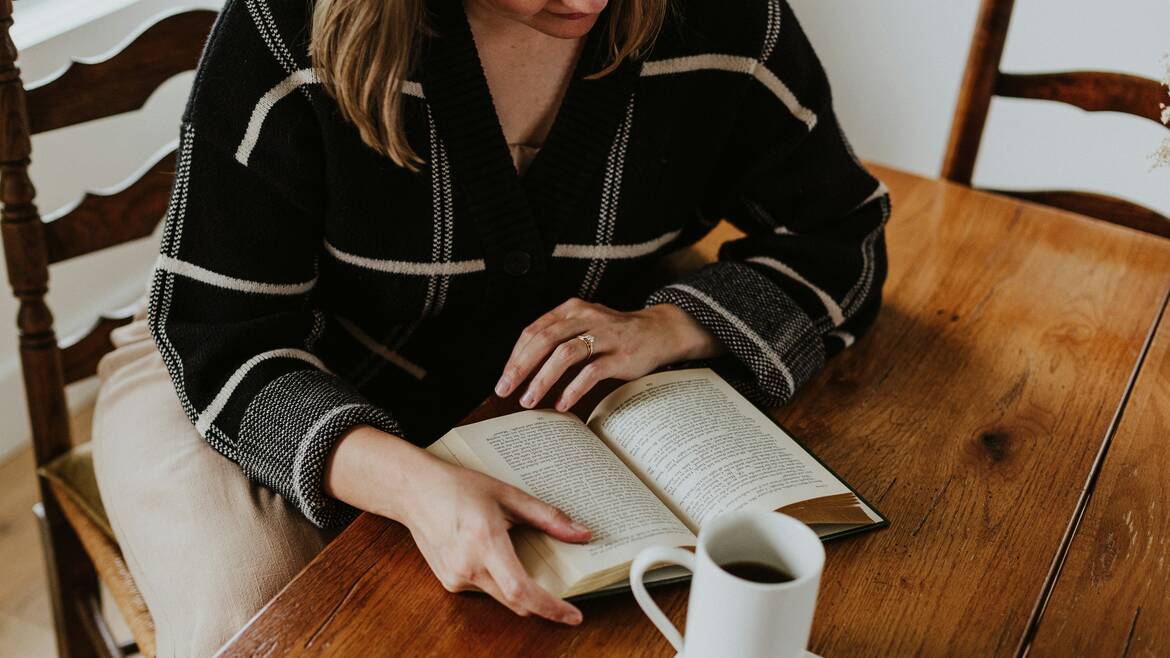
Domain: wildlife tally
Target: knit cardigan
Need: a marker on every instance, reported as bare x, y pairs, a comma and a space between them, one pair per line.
306, 284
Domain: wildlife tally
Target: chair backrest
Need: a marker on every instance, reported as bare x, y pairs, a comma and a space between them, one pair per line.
1088, 90
84, 91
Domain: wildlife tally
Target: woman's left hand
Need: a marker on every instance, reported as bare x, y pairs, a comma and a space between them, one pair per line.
626, 345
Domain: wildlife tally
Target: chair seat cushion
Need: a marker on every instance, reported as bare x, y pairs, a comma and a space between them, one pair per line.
74, 485
73, 475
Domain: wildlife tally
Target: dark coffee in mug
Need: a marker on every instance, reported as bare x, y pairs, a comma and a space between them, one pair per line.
758, 572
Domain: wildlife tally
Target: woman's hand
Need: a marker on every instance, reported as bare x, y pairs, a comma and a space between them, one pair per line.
625, 346
459, 518
462, 530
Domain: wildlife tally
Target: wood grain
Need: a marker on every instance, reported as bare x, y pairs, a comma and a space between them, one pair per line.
22, 572
1118, 211
82, 352
1092, 91
979, 78
123, 81
1113, 594
102, 220
970, 415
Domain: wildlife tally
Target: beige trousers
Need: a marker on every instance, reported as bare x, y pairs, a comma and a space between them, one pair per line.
207, 548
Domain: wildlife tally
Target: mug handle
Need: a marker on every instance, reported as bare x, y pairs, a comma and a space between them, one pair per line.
654, 556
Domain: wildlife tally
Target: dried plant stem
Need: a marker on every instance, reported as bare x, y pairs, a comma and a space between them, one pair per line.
1161, 156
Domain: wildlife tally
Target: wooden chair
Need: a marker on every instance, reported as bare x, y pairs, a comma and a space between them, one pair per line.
79, 548
1088, 90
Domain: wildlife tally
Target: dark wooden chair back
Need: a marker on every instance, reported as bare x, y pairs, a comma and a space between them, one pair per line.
82, 92
1089, 90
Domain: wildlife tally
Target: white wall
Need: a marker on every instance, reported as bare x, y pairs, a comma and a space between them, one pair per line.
896, 67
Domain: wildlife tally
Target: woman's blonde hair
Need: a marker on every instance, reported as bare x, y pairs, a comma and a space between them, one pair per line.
363, 51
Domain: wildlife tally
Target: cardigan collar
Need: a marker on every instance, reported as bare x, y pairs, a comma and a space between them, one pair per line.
517, 219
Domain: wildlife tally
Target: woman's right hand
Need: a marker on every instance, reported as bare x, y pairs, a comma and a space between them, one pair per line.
459, 518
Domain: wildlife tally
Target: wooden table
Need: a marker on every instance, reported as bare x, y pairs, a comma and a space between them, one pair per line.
974, 415
1117, 572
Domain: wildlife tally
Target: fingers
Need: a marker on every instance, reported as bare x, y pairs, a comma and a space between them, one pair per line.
524, 509
518, 590
585, 380
540, 338
488, 586
465, 576
468, 547
537, 325
565, 355
536, 350
491, 567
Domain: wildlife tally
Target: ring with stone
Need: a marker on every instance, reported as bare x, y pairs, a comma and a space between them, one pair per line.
588, 340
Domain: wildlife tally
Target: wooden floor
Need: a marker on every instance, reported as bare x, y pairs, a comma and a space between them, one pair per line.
26, 627
25, 623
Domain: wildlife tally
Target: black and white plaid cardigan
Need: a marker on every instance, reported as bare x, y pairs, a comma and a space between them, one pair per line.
306, 284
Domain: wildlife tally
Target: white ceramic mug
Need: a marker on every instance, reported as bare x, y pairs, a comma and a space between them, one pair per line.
728, 615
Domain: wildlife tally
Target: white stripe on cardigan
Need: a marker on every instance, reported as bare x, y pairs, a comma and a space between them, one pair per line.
283, 88
614, 251
264, 106
208, 416
765, 348
569, 251
192, 271
381, 350
734, 64
831, 306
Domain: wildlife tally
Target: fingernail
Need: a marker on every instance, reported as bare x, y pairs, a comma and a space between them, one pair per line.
527, 400
502, 387
573, 618
578, 527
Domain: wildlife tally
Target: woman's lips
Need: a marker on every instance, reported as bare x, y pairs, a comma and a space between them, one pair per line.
571, 17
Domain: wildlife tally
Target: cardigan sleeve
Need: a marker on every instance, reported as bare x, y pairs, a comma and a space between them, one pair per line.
231, 304
806, 279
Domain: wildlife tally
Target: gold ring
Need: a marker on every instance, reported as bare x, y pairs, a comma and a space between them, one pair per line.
588, 340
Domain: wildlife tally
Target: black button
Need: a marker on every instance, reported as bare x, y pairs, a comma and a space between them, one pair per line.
517, 263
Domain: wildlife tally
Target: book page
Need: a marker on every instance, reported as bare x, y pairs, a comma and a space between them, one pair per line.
705, 450
555, 457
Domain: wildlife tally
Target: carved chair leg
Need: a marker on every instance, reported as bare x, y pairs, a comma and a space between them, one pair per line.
71, 578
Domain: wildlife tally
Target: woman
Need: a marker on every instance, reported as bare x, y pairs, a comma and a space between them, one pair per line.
384, 210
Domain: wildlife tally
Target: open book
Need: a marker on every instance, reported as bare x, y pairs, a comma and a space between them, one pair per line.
657, 458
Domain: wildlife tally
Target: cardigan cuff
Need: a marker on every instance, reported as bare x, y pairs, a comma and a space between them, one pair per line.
769, 337
290, 428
